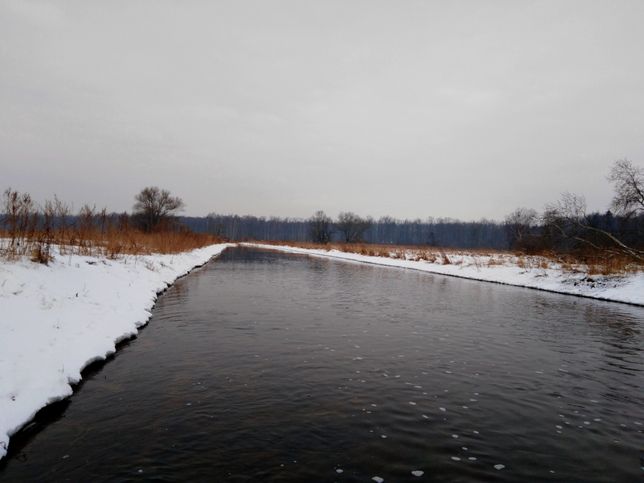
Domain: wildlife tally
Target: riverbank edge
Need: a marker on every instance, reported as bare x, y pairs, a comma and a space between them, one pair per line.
628, 289
156, 272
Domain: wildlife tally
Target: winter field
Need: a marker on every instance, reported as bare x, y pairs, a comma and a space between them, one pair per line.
505, 268
58, 318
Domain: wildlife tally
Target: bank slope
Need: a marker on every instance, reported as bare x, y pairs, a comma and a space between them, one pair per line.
627, 288
57, 319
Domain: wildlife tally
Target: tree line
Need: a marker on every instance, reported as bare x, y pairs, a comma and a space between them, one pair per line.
349, 227
29, 228
567, 226
563, 226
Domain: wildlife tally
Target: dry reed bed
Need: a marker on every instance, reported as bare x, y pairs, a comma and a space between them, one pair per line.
29, 229
111, 243
589, 263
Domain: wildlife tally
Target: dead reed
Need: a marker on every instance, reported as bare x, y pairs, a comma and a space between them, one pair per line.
593, 263
32, 231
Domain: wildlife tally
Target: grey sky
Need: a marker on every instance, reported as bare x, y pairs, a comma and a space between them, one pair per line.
406, 108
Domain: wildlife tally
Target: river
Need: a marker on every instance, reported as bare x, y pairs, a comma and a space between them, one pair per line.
264, 366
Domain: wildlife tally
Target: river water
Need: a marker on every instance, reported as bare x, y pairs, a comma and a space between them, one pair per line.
271, 367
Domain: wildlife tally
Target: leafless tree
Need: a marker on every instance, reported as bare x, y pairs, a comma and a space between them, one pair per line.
629, 188
19, 217
62, 213
519, 225
41, 252
569, 219
352, 226
155, 206
321, 227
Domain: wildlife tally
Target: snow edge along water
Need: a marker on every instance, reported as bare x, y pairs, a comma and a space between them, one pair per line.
627, 289
58, 319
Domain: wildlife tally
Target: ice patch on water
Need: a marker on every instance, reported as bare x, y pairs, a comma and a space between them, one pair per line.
377, 479
443, 409
499, 467
472, 458
412, 403
456, 458
339, 471
455, 436
418, 472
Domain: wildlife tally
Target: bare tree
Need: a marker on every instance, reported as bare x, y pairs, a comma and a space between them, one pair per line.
62, 214
519, 226
155, 206
629, 188
19, 218
352, 226
321, 227
569, 219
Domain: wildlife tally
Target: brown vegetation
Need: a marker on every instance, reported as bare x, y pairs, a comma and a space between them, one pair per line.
589, 261
29, 230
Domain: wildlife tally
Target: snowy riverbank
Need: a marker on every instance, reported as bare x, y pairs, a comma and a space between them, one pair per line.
57, 319
504, 269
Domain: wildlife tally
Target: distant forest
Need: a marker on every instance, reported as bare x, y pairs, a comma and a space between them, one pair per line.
439, 232
564, 226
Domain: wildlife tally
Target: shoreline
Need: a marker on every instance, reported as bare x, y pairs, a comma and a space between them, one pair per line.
628, 289
59, 319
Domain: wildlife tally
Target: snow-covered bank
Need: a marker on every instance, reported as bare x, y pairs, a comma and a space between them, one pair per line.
504, 269
57, 319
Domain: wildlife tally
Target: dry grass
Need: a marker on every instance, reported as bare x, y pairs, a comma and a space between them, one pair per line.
110, 244
494, 261
588, 262
33, 231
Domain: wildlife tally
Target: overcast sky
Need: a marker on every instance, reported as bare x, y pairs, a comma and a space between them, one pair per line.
464, 109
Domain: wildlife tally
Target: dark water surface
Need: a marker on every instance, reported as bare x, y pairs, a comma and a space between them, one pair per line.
272, 367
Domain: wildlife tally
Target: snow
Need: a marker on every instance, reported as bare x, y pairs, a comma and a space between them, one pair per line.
57, 319
503, 269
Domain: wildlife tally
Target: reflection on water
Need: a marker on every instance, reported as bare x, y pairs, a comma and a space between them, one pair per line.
270, 367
